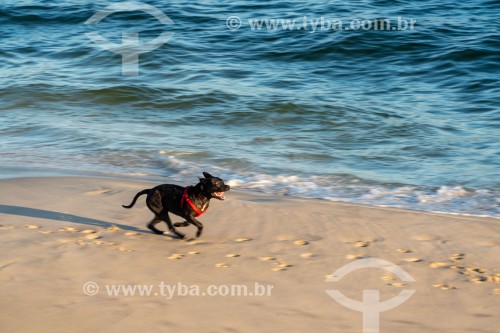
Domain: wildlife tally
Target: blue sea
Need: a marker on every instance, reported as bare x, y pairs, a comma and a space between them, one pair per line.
299, 98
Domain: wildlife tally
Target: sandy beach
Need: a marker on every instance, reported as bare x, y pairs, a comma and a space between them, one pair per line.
65, 242
359, 139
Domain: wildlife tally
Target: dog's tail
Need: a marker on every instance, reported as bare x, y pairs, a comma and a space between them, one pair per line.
135, 198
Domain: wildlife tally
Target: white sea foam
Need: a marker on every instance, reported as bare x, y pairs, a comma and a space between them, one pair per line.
344, 188
173, 167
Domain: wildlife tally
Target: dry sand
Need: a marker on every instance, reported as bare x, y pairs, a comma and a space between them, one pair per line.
57, 234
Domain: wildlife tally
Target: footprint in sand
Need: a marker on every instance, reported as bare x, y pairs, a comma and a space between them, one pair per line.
124, 249
361, 244
46, 232
93, 236
494, 278
193, 252
68, 229
103, 243
360, 239
242, 239
438, 264
32, 226
6, 227
266, 258
475, 270
222, 265
277, 269
284, 265
457, 267
70, 240
457, 256
468, 274
113, 228
413, 259
300, 242
478, 279
443, 286
388, 278
232, 255
88, 231
404, 250
354, 256
307, 255
175, 256
133, 235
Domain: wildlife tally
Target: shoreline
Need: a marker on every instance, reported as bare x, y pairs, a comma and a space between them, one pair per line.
156, 180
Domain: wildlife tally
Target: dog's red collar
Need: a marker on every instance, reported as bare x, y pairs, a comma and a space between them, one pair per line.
185, 198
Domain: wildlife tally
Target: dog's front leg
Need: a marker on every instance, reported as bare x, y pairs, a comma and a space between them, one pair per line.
196, 223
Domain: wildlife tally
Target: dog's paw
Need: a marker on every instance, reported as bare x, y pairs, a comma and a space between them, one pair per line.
154, 230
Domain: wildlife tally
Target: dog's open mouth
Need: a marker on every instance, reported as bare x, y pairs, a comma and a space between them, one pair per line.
218, 195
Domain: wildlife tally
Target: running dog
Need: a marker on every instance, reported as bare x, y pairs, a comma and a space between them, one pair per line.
187, 202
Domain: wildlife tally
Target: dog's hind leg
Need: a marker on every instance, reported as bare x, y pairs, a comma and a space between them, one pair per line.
151, 225
181, 224
166, 219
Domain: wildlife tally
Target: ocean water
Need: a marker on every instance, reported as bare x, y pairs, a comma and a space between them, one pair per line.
398, 117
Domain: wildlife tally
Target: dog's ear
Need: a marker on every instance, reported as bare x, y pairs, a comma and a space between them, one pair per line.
207, 175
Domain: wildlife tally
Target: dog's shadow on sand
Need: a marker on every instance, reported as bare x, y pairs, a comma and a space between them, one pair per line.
50, 215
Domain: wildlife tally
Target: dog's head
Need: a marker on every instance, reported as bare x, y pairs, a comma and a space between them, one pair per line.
213, 187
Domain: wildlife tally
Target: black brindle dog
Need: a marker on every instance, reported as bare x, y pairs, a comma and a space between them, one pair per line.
186, 202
